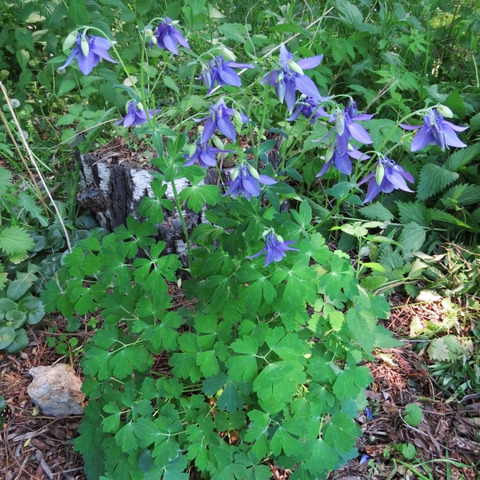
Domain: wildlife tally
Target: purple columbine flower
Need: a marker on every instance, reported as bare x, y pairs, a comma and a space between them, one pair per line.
220, 118
435, 131
346, 126
275, 248
290, 77
204, 155
222, 72
246, 182
135, 116
309, 107
342, 161
89, 52
388, 177
168, 37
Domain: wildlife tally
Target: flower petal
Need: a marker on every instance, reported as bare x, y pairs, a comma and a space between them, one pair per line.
226, 126
359, 133
208, 130
229, 77
306, 85
266, 180
310, 62
423, 138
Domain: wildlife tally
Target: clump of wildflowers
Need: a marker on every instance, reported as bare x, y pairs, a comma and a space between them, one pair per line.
168, 37
435, 130
136, 115
221, 118
388, 177
275, 248
290, 77
222, 72
246, 182
204, 155
89, 51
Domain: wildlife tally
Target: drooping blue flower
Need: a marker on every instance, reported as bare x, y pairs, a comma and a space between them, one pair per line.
364, 459
220, 118
435, 130
168, 37
346, 126
342, 161
309, 107
290, 77
136, 115
204, 155
246, 182
89, 52
275, 248
388, 177
222, 72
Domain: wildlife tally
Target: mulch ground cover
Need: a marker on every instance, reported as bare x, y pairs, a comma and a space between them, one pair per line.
447, 442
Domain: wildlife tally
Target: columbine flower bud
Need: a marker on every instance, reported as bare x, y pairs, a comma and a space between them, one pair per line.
237, 119
192, 149
227, 54
61, 70
253, 172
84, 46
235, 173
329, 154
340, 123
69, 41
380, 173
295, 67
140, 106
217, 142
444, 111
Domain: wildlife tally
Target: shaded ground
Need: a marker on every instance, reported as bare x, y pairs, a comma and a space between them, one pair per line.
447, 443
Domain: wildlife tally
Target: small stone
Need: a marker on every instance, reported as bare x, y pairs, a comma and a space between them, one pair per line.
56, 390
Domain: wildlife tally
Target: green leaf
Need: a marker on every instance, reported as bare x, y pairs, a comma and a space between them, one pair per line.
15, 241
126, 439
414, 212
323, 458
412, 237
408, 451
78, 12
376, 211
414, 414
277, 383
208, 363
349, 13
461, 196
462, 157
233, 31
19, 342
199, 195
5, 179
230, 400
7, 336
446, 349
170, 83
350, 382
433, 179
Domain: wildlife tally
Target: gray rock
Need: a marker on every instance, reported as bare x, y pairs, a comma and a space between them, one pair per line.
56, 391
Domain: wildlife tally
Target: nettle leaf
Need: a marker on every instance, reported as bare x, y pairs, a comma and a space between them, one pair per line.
446, 349
376, 211
462, 157
412, 237
461, 196
414, 212
5, 178
349, 13
277, 383
433, 179
15, 241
